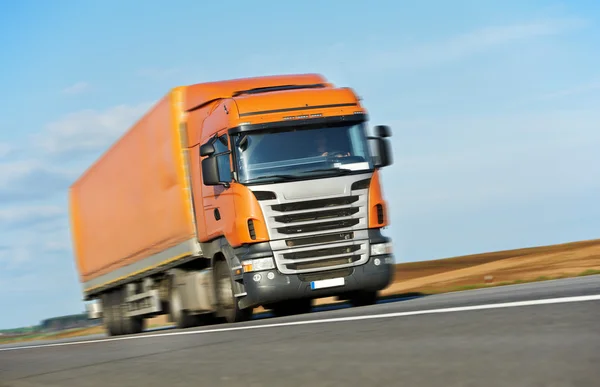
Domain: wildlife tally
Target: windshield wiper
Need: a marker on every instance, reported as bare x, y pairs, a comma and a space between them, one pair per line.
328, 171
271, 178
312, 172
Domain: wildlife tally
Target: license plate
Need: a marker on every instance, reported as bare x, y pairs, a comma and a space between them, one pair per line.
328, 283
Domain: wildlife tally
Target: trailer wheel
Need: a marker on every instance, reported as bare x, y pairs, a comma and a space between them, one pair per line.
108, 317
112, 313
129, 325
227, 305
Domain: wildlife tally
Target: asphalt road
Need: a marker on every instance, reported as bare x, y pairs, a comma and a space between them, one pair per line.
541, 334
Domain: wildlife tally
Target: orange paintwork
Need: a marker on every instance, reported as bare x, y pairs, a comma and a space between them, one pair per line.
132, 203
217, 116
236, 205
201, 93
135, 200
299, 99
76, 231
375, 198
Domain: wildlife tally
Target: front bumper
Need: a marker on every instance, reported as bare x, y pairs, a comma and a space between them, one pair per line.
278, 287
271, 286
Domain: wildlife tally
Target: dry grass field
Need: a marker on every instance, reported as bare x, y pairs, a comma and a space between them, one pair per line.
510, 266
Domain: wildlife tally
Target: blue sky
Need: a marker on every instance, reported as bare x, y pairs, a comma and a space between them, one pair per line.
494, 107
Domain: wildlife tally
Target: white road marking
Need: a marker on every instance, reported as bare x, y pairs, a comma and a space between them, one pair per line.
549, 301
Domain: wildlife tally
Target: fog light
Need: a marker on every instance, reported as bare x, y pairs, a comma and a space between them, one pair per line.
270, 275
258, 264
256, 277
381, 248
377, 261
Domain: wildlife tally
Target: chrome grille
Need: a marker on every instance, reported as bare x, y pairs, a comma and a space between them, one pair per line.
317, 227
315, 204
316, 258
317, 235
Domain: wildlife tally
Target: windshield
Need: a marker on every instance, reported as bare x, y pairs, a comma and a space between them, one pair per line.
301, 152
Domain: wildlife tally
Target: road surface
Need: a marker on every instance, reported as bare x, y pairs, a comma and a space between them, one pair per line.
541, 334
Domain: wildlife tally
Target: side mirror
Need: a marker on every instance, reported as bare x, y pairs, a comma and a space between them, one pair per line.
383, 131
207, 149
382, 152
384, 148
210, 170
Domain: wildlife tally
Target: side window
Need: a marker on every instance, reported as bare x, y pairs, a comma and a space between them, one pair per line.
223, 158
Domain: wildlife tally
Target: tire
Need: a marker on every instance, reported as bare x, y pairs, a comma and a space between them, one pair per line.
178, 315
363, 298
128, 325
227, 306
293, 307
108, 318
112, 313
131, 325
116, 322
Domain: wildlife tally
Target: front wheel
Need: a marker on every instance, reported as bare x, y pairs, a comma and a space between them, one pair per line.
227, 306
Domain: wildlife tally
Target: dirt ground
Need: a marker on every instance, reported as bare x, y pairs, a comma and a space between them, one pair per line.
529, 264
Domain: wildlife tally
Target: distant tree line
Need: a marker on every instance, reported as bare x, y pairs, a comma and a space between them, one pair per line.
54, 324
67, 322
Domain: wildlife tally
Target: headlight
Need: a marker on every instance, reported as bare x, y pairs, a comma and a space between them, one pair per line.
258, 264
381, 248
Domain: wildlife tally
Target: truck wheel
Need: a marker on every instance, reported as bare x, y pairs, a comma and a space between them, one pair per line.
128, 325
112, 313
363, 298
108, 318
293, 307
131, 325
227, 305
178, 315
122, 324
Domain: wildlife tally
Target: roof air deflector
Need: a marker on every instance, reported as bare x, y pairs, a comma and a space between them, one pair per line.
269, 89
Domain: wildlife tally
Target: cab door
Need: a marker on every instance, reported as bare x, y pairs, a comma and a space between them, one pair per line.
219, 213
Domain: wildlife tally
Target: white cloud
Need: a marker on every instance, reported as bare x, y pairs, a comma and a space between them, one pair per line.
463, 45
31, 180
589, 87
5, 150
28, 233
11, 217
88, 130
57, 246
77, 88
335, 60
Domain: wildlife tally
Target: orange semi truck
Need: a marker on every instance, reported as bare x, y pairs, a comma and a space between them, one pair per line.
230, 195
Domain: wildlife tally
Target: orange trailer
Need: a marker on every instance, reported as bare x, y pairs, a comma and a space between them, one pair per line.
230, 195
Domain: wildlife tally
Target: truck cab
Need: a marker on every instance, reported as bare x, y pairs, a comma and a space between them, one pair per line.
290, 181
